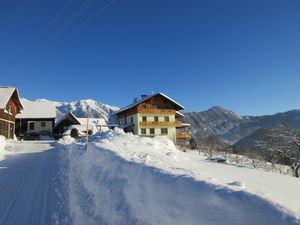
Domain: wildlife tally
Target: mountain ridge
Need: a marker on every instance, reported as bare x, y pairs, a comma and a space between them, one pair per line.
231, 127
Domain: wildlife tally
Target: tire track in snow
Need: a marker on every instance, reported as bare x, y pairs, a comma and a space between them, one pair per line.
12, 202
30, 188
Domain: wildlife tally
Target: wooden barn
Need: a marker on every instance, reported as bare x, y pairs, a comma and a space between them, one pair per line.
63, 123
10, 106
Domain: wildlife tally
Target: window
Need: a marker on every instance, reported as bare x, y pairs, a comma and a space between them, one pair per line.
164, 131
167, 119
43, 124
143, 131
131, 119
31, 125
156, 118
144, 118
155, 107
125, 120
152, 131
143, 107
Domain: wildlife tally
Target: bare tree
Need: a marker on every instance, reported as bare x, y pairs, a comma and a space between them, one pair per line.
255, 159
281, 145
212, 142
237, 154
295, 159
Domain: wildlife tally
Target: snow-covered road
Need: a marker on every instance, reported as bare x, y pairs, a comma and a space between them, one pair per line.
30, 188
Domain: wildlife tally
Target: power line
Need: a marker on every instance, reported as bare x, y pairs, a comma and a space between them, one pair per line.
53, 21
90, 19
75, 15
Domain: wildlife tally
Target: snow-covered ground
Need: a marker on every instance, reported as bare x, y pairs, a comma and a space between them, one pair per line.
126, 179
2, 146
31, 191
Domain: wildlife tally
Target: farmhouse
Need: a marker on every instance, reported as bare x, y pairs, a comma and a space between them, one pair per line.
38, 117
10, 106
154, 115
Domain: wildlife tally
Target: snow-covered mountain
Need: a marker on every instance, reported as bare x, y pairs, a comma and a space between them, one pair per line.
83, 108
231, 127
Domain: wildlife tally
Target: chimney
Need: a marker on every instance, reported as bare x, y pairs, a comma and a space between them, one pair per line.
144, 96
135, 100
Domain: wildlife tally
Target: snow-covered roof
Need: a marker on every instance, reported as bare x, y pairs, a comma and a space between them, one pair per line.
63, 116
180, 114
186, 125
37, 110
6, 93
145, 99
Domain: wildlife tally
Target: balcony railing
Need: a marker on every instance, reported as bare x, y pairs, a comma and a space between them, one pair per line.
183, 135
160, 124
156, 111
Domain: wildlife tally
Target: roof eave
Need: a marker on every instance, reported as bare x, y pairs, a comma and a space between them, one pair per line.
145, 99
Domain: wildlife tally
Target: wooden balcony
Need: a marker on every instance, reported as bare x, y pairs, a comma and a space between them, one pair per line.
160, 124
184, 135
156, 111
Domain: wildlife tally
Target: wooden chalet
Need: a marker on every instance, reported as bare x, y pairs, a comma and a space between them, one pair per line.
10, 106
154, 115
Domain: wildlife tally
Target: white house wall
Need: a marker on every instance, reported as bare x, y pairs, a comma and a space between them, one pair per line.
38, 126
157, 129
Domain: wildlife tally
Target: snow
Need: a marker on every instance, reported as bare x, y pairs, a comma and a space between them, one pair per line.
88, 107
95, 125
37, 110
148, 97
31, 191
126, 179
5, 146
2, 146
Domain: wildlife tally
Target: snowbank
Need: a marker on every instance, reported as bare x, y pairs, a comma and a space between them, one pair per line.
125, 179
2, 146
2, 142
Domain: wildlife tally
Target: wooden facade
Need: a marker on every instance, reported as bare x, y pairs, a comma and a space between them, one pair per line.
63, 125
8, 112
154, 115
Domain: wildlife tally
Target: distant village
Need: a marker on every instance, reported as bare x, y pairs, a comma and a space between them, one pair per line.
149, 116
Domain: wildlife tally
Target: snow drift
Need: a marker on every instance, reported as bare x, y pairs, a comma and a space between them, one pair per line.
2, 142
2, 146
124, 180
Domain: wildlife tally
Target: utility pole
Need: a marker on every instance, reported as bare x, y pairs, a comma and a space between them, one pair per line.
87, 134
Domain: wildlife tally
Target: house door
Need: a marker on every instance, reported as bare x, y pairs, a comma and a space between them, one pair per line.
31, 126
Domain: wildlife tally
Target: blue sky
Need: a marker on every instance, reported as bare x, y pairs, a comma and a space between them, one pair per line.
241, 55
